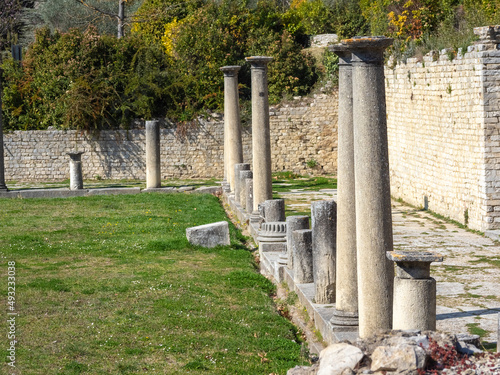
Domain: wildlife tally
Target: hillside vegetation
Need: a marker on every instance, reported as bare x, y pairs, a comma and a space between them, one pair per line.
168, 62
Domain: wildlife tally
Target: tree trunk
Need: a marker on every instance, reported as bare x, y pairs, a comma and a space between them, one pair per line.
121, 18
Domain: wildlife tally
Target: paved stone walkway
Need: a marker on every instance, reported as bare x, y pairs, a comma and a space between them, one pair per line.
468, 281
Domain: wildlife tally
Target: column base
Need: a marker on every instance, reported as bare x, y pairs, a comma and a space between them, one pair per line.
343, 320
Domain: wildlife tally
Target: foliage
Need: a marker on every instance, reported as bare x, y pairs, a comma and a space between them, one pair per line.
308, 17
11, 21
85, 81
225, 33
153, 15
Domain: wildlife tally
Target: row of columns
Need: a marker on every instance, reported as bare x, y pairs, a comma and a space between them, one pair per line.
261, 137
355, 270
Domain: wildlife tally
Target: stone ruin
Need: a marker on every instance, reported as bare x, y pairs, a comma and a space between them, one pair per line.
342, 269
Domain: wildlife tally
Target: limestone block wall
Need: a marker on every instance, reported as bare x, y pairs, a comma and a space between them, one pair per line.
443, 129
301, 131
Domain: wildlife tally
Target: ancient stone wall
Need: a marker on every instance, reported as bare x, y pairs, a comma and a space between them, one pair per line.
443, 129
302, 131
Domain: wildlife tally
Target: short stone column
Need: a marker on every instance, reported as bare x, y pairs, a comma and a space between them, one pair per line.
3, 186
233, 149
498, 334
373, 196
244, 175
272, 237
153, 164
414, 290
274, 210
324, 223
237, 186
75, 170
261, 138
249, 197
303, 257
346, 304
294, 223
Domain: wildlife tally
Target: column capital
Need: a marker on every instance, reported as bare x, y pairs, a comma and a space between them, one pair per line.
343, 52
230, 70
75, 155
368, 49
259, 62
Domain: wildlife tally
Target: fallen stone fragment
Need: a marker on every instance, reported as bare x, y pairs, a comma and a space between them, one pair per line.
337, 357
401, 358
303, 370
209, 235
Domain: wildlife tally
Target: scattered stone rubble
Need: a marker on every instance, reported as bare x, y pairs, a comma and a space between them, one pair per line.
405, 353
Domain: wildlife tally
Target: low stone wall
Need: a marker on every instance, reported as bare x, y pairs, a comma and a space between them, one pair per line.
302, 131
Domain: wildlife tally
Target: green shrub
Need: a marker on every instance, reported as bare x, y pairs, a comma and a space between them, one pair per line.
81, 80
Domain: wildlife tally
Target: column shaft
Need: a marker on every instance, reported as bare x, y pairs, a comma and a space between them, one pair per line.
261, 142
153, 166
233, 150
346, 277
2, 165
373, 196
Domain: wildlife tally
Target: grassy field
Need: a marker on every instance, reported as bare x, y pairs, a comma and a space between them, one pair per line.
110, 285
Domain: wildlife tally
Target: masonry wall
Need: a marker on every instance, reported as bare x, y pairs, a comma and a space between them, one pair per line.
444, 140
301, 131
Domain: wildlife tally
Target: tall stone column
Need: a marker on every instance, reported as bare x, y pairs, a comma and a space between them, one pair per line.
153, 170
3, 186
233, 149
373, 196
346, 304
261, 138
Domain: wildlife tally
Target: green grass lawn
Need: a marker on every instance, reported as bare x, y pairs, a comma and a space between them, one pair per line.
110, 285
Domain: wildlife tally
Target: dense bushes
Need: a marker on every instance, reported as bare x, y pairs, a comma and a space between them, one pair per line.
87, 81
84, 81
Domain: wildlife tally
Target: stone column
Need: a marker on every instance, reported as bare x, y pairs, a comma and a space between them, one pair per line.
293, 223
324, 223
3, 186
233, 149
274, 210
75, 170
303, 257
244, 175
414, 290
237, 186
261, 139
346, 304
249, 198
373, 196
153, 164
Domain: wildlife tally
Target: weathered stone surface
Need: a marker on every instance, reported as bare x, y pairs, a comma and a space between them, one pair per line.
324, 223
243, 177
233, 150
338, 357
274, 210
75, 170
401, 358
237, 180
414, 304
302, 256
373, 195
261, 139
153, 163
303, 370
293, 223
209, 235
346, 276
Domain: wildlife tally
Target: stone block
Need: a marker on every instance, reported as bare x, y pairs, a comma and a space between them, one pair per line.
209, 235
